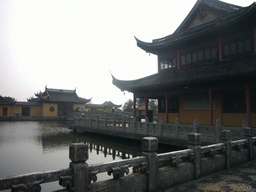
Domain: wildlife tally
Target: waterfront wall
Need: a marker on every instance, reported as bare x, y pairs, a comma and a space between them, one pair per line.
128, 127
150, 172
34, 118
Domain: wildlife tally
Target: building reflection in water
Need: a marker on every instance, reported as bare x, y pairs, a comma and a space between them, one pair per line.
109, 146
27, 147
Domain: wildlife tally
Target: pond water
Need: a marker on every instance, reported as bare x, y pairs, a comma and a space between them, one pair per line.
27, 147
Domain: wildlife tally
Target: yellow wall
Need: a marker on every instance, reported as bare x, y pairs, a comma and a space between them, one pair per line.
88, 108
16, 110
234, 119
36, 111
81, 106
47, 112
253, 120
188, 116
171, 117
13, 110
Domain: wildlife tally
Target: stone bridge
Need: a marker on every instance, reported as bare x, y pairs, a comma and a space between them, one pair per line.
114, 124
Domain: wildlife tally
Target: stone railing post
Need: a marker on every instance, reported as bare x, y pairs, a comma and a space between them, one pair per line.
217, 130
248, 136
78, 153
194, 142
146, 125
225, 136
160, 125
196, 126
177, 125
245, 123
149, 148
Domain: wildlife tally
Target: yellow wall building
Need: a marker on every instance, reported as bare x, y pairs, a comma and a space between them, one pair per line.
106, 106
50, 103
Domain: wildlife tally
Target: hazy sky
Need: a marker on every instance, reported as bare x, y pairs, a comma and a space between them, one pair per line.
70, 44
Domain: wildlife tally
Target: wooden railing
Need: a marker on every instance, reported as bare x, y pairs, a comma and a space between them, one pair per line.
150, 172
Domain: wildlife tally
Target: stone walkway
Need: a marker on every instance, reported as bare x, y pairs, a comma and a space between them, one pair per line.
240, 178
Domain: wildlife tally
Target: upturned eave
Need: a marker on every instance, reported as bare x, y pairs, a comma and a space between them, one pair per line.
213, 26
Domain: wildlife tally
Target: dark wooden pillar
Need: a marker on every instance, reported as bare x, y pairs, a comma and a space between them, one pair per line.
254, 36
134, 105
178, 59
146, 106
220, 49
210, 108
248, 104
166, 106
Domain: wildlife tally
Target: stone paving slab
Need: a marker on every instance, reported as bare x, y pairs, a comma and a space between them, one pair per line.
240, 178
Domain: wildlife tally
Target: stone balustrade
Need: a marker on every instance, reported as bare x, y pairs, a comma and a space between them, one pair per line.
127, 126
150, 172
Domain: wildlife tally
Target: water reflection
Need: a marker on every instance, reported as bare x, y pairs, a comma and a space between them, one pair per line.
27, 147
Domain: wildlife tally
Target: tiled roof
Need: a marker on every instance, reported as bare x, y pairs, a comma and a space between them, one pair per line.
219, 23
59, 95
240, 67
5, 101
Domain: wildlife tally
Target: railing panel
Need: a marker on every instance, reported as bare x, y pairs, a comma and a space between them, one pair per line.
105, 167
48, 176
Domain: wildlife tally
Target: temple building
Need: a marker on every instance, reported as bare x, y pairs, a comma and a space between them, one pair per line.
50, 103
206, 68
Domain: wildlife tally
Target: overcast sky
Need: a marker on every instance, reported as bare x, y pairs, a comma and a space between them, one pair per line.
68, 44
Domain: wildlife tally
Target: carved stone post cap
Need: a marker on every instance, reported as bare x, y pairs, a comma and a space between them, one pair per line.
150, 144
194, 139
225, 135
247, 132
78, 152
